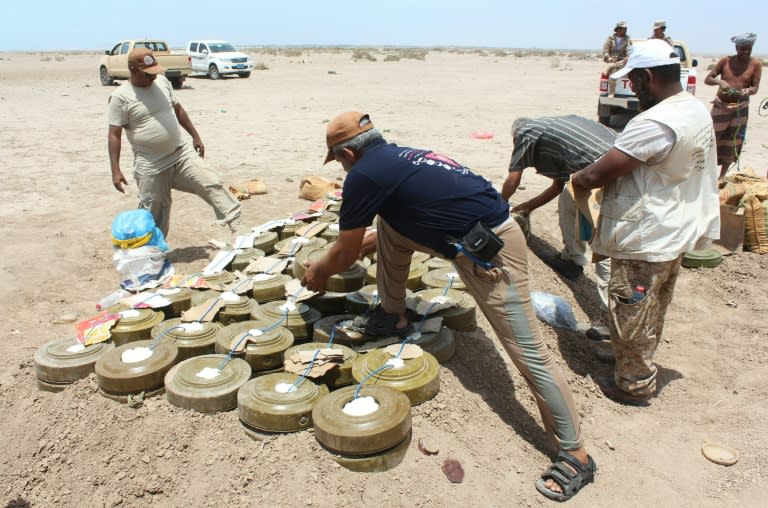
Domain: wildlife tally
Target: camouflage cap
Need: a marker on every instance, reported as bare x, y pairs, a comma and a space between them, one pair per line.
620, 24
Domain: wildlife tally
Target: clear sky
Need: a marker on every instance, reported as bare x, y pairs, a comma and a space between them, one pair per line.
707, 26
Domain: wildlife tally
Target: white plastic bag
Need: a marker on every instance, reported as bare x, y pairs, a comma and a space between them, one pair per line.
142, 267
553, 310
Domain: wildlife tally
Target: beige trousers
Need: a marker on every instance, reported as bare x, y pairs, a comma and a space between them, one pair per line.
502, 294
189, 174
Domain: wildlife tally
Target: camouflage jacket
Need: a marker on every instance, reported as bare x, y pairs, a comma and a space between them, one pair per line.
666, 39
611, 50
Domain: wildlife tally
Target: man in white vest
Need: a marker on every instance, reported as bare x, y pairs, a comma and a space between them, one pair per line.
660, 200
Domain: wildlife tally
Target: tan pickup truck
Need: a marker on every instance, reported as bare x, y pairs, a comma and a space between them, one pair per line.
114, 64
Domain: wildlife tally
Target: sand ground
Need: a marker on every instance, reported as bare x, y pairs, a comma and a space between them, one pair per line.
76, 448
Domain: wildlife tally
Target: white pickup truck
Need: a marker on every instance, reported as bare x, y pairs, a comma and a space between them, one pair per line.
114, 63
618, 110
218, 58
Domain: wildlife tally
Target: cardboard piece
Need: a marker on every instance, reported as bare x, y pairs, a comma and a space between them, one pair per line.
145, 300
96, 329
291, 248
240, 341
320, 361
268, 226
295, 292
312, 229
731, 229
219, 244
422, 306
206, 311
240, 286
431, 325
186, 281
267, 264
406, 352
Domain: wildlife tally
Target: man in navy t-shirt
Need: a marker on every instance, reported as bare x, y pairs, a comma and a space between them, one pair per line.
425, 201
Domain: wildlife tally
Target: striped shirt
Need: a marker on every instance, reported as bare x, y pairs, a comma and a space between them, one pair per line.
558, 146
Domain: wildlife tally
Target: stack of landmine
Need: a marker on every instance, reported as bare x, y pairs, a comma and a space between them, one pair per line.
236, 358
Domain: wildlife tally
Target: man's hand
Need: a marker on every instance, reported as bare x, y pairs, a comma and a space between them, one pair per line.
118, 180
314, 279
369, 244
523, 208
197, 143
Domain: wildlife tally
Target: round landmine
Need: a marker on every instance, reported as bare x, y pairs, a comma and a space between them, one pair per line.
202, 384
378, 462
417, 270
263, 350
441, 345
706, 258
200, 297
331, 233
441, 278
135, 368
63, 361
277, 403
351, 279
222, 278
135, 325
329, 303
336, 377
192, 339
268, 287
378, 420
323, 327
266, 242
438, 263
237, 308
360, 301
462, 316
328, 216
180, 298
297, 317
244, 257
418, 378
288, 230
302, 244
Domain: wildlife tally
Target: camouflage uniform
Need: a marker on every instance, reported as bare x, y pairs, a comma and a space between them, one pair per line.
616, 58
636, 327
666, 39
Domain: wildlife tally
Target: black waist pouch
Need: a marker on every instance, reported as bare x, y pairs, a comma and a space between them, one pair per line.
482, 242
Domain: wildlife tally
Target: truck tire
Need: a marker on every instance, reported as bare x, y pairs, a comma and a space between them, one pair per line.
213, 72
176, 83
244, 74
106, 79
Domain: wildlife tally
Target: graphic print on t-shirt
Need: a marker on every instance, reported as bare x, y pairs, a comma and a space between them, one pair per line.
419, 157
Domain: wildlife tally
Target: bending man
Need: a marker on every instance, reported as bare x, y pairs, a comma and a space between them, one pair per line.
424, 201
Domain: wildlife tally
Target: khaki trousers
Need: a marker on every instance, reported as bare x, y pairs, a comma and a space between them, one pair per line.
189, 174
502, 294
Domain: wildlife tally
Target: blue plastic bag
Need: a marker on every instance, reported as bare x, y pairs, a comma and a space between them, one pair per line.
553, 310
136, 228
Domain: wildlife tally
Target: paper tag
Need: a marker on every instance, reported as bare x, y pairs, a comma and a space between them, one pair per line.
311, 230
269, 264
239, 287
295, 292
168, 291
96, 329
244, 242
408, 352
203, 312
292, 247
222, 259
230, 297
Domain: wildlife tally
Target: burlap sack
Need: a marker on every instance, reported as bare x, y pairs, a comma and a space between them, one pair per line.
247, 189
751, 193
314, 187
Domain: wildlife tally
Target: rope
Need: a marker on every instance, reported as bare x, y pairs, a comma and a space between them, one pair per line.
156, 342
366, 378
304, 374
476, 260
209, 309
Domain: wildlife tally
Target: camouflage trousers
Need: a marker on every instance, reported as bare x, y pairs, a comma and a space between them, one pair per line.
636, 328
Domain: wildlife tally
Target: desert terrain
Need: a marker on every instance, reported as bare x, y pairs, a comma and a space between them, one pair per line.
76, 448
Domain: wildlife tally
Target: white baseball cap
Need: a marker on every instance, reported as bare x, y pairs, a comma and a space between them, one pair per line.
647, 54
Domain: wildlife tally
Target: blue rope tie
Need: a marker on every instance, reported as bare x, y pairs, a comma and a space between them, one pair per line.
476, 260
156, 342
366, 378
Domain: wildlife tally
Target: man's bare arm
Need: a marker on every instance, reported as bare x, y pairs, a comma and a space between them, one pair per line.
114, 144
605, 170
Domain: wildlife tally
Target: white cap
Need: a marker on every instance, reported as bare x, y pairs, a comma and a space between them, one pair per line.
647, 54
